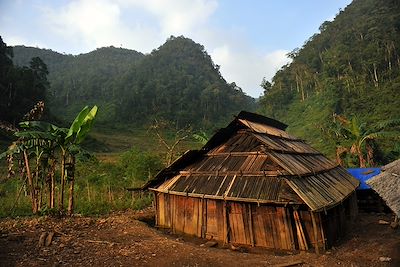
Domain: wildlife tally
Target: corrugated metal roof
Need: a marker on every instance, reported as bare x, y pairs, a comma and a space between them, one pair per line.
258, 162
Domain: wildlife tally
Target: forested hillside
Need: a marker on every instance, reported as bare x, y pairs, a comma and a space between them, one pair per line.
352, 67
177, 82
20, 87
86, 79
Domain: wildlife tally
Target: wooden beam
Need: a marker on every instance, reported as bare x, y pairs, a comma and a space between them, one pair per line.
238, 153
240, 173
322, 232
252, 200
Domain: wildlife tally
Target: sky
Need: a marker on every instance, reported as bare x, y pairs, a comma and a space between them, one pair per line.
248, 39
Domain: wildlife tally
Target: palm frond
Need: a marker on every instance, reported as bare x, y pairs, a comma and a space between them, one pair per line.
381, 135
387, 124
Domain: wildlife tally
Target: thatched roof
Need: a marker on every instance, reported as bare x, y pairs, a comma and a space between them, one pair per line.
253, 159
387, 185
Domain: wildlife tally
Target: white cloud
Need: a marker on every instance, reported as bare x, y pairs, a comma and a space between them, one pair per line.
96, 23
247, 67
17, 40
144, 25
177, 16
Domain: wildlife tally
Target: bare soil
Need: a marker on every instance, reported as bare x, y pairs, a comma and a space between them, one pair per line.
121, 239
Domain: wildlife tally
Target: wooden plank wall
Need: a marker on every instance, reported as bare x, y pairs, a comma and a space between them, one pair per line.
163, 208
314, 237
273, 227
238, 223
337, 220
193, 216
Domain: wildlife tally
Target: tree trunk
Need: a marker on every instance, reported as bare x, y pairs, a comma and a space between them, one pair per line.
52, 182
52, 191
370, 154
339, 152
361, 158
61, 200
30, 183
71, 198
71, 186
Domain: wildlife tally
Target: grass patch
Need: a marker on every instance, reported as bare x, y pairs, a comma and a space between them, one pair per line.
122, 159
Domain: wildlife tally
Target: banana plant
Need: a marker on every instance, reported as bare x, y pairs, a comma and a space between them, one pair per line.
36, 142
78, 131
41, 141
357, 137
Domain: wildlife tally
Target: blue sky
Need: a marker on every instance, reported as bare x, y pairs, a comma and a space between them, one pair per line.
248, 39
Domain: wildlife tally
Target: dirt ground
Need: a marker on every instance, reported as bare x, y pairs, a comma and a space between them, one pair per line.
122, 240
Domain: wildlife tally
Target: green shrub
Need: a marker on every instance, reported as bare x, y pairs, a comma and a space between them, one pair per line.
138, 166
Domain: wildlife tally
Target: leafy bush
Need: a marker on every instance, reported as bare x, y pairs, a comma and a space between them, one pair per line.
139, 166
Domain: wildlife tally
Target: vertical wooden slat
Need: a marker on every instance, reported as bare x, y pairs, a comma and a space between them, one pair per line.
204, 228
283, 228
315, 232
200, 216
274, 228
172, 201
251, 225
226, 224
322, 231
300, 232
157, 208
288, 223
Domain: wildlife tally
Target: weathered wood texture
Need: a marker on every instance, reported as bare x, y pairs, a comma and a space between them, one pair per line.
254, 184
274, 227
336, 221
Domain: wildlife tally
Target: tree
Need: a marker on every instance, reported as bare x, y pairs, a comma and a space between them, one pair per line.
266, 85
161, 129
20, 87
358, 139
38, 145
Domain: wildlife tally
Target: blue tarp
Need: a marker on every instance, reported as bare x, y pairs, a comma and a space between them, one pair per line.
364, 174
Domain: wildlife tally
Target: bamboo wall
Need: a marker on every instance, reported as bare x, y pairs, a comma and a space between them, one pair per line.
268, 226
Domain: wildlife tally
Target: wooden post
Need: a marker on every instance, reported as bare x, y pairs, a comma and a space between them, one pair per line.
156, 208
172, 204
314, 223
204, 217
322, 232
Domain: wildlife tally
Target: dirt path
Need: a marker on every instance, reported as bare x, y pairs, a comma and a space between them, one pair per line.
122, 240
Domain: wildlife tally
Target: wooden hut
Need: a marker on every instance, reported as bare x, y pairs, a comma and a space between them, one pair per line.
254, 184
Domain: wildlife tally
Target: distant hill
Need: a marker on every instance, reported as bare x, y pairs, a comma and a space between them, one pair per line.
351, 67
176, 82
80, 80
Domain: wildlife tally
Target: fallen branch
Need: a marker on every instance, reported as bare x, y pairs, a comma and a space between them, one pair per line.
99, 241
293, 263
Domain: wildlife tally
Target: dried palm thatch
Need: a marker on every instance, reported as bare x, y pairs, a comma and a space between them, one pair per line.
387, 185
